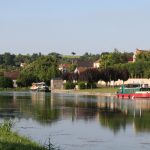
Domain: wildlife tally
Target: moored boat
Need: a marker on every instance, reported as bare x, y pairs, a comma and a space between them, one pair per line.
133, 91
40, 87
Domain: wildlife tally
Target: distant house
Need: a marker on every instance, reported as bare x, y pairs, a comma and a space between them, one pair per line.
82, 66
12, 75
86, 64
64, 67
96, 64
130, 60
137, 52
22, 65
79, 69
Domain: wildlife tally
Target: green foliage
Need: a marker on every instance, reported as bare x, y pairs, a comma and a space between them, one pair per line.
82, 85
5, 82
8, 59
12, 141
90, 75
139, 69
145, 56
116, 57
43, 69
69, 85
91, 85
72, 67
6, 125
26, 80
89, 57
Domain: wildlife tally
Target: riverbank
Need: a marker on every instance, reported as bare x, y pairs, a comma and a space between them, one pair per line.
104, 91
12, 141
98, 91
15, 89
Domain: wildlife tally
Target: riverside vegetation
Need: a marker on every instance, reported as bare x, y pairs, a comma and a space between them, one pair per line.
113, 66
12, 141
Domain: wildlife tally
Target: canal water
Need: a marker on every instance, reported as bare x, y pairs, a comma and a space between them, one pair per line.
75, 122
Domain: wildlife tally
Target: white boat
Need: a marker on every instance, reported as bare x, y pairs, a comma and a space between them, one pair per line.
40, 86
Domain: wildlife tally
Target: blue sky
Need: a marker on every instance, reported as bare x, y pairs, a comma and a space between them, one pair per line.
63, 26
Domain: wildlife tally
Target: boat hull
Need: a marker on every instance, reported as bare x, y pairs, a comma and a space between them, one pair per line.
134, 95
41, 90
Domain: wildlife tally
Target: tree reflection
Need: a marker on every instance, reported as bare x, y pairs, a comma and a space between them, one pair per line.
126, 112
113, 119
48, 108
36, 106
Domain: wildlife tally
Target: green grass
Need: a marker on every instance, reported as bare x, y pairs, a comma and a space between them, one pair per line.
102, 90
12, 141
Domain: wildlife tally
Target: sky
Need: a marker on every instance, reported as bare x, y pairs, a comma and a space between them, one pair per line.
65, 26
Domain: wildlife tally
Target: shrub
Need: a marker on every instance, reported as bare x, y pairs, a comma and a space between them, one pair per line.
82, 85
69, 85
91, 85
6, 82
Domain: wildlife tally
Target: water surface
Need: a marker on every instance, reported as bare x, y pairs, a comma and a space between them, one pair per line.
79, 122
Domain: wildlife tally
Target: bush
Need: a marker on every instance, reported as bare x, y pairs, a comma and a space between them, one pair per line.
91, 85
82, 85
6, 82
69, 85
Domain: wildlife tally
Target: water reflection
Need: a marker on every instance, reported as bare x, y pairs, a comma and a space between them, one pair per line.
48, 108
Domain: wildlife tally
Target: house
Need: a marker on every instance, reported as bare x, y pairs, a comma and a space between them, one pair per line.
137, 52
79, 69
86, 64
64, 67
22, 65
82, 66
130, 60
96, 64
13, 75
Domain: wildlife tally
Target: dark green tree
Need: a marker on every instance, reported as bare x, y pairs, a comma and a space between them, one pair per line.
5, 82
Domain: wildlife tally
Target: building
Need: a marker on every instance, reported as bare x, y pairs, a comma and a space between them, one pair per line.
22, 65
82, 66
56, 84
96, 64
130, 60
13, 75
64, 67
79, 69
137, 52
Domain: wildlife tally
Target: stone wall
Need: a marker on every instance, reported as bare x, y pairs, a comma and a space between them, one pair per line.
56, 84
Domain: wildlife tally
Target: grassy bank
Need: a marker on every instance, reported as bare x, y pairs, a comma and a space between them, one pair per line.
104, 91
101, 90
12, 141
15, 89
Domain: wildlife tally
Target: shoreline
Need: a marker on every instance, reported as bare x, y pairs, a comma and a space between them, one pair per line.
63, 91
78, 92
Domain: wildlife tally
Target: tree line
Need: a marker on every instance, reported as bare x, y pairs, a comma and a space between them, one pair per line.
93, 75
113, 66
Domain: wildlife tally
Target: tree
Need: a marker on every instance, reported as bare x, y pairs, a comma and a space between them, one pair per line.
105, 75
90, 75
70, 76
5, 82
73, 53
9, 59
43, 69
123, 74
